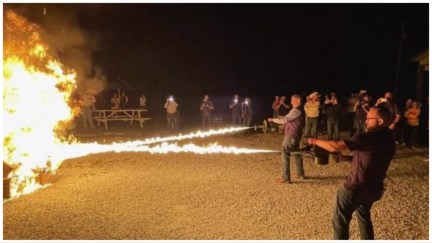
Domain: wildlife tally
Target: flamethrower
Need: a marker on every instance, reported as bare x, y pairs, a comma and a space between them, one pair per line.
319, 155
263, 127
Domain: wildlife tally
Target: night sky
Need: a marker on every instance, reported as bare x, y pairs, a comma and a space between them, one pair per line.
252, 49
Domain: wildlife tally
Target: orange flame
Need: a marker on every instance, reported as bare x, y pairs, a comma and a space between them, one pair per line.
35, 98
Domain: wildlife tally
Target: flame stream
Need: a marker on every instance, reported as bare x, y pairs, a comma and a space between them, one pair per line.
63, 152
198, 134
27, 182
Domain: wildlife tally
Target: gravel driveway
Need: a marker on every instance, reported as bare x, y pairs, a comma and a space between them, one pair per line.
211, 197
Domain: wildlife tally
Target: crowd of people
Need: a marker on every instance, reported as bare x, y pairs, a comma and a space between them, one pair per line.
241, 112
326, 114
376, 130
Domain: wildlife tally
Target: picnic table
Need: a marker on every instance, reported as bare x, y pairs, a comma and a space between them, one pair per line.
104, 116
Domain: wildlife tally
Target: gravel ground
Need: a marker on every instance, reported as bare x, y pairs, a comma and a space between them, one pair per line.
211, 197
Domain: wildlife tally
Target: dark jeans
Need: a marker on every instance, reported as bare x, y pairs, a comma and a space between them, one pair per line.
333, 128
412, 132
289, 143
236, 119
87, 117
347, 202
247, 121
206, 121
172, 119
311, 127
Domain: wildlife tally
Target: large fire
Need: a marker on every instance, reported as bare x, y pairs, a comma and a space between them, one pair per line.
37, 91
35, 99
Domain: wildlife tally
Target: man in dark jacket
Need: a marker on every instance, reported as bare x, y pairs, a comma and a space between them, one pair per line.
293, 125
373, 152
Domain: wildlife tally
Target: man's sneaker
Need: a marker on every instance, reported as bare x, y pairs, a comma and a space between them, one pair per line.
300, 177
281, 180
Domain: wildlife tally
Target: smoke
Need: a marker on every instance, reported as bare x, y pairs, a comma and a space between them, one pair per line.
74, 46
68, 41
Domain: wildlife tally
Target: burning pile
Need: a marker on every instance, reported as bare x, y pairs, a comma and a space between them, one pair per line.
36, 97
35, 100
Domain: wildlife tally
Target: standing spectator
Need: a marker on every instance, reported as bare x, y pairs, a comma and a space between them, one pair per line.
142, 101
390, 103
322, 118
412, 116
293, 123
312, 108
333, 114
283, 108
124, 99
247, 112
362, 108
115, 102
171, 108
87, 107
275, 106
236, 112
373, 152
206, 112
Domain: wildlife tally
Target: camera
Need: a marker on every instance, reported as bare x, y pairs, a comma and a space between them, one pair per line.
170, 98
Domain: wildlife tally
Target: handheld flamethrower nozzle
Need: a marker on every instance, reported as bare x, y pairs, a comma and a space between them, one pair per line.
263, 126
319, 155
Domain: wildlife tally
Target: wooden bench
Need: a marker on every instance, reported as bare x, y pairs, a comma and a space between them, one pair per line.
104, 116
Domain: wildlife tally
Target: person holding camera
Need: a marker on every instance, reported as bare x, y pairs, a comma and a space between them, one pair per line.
206, 108
142, 101
332, 111
412, 116
236, 112
275, 106
172, 116
283, 108
87, 106
373, 152
361, 107
247, 112
312, 110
